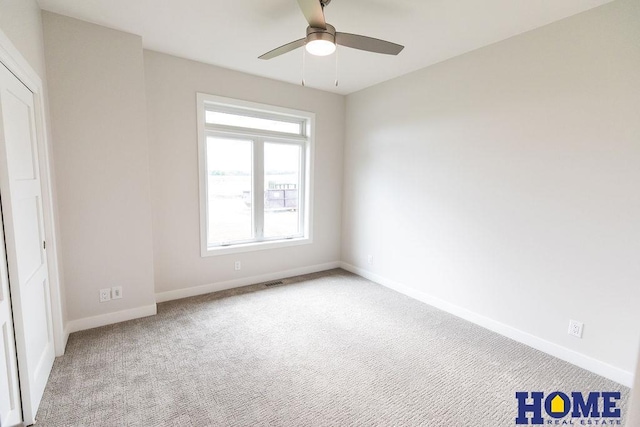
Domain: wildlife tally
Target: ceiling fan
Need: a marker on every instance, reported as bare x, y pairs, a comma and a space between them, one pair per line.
322, 38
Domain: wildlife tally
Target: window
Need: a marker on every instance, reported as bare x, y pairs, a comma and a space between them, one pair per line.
255, 175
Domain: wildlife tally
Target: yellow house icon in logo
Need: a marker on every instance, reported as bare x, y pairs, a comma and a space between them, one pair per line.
557, 405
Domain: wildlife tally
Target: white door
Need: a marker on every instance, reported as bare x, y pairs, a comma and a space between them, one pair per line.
24, 236
10, 410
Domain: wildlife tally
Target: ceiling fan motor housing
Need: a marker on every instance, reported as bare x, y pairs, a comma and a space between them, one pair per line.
321, 34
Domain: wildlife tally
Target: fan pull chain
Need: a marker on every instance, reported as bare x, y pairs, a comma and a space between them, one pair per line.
336, 65
304, 55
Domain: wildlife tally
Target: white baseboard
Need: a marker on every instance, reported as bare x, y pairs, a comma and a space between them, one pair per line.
150, 310
583, 361
109, 318
236, 283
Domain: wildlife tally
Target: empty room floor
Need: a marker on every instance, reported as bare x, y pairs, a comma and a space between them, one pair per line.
326, 349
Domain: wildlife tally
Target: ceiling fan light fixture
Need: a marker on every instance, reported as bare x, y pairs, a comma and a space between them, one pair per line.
320, 44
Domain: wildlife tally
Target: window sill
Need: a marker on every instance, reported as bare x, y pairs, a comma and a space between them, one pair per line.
255, 246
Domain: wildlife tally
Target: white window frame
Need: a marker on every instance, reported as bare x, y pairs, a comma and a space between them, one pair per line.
259, 138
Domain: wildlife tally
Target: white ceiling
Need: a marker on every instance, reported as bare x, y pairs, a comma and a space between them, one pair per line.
233, 33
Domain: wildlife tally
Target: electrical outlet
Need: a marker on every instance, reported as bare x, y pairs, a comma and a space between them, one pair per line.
105, 295
575, 328
237, 266
370, 259
116, 292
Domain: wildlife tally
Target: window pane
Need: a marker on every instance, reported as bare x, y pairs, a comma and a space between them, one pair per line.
229, 168
216, 118
282, 182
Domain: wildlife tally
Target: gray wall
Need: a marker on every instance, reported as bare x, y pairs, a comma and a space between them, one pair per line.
505, 181
98, 113
172, 84
20, 21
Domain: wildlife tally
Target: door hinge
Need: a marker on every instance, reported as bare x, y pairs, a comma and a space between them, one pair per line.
44, 245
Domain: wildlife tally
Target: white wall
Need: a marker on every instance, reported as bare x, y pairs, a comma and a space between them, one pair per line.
505, 181
172, 84
97, 99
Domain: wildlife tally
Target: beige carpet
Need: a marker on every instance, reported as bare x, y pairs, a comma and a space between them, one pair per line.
330, 349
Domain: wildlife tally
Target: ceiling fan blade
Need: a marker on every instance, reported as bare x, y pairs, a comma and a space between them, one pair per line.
312, 11
369, 44
283, 49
